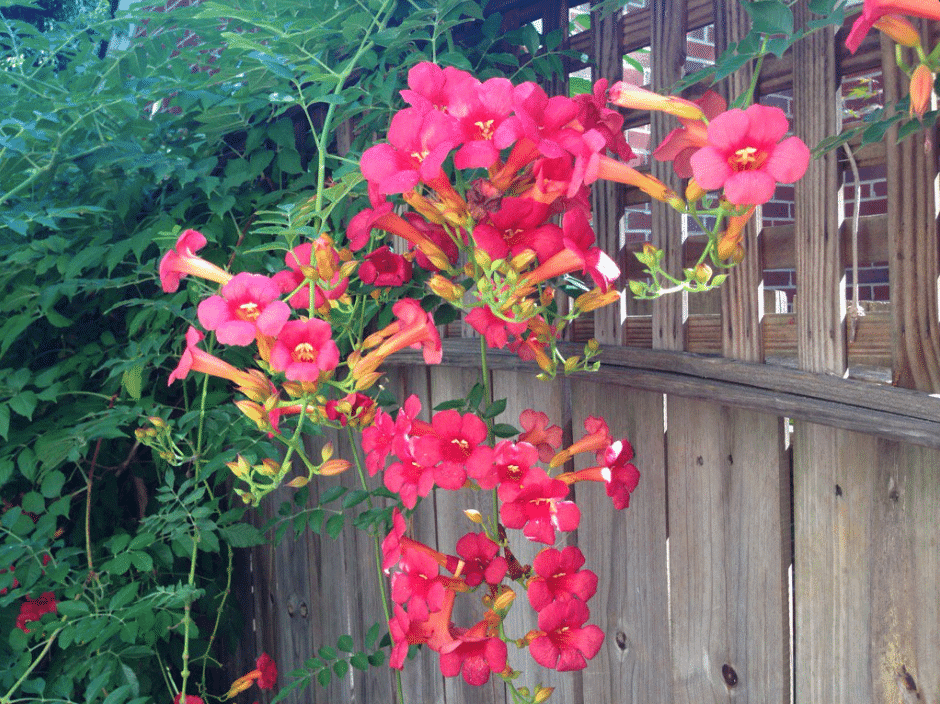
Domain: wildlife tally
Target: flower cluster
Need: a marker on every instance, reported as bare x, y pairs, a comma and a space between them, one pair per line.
451, 452
478, 203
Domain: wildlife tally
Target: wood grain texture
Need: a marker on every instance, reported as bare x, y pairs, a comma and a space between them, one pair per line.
627, 549
668, 51
820, 304
843, 403
832, 543
728, 555
606, 205
912, 242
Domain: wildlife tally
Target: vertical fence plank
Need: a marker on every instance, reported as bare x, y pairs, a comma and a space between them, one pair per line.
523, 391
905, 588
627, 549
668, 49
912, 245
607, 38
827, 646
727, 567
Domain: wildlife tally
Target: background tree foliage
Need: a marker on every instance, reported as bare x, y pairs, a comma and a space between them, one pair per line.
104, 157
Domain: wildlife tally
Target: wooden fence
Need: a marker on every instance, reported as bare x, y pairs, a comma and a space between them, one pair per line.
784, 541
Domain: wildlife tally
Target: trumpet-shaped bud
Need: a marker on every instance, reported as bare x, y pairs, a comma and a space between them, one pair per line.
921, 90
630, 96
900, 30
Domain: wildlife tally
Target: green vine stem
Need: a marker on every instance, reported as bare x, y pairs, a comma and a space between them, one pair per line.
8, 697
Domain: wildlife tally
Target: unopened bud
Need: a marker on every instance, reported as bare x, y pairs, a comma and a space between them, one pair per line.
445, 288
548, 295
140, 433
293, 389
269, 467
331, 468
157, 421
694, 192
702, 273
474, 515
482, 259
921, 90
367, 381
298, 482
522, 260
327, 451
593, 345
571, 364
504, 600
239, 467
542, 694
593, 300
899, 29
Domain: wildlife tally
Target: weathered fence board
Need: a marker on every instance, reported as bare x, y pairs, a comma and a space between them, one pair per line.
627, 549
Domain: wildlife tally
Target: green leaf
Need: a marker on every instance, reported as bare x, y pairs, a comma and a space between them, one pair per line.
327, 653
331, 494
504, 430
33, 502
242, 535
340, 667
372, 634
133, 380
494, 409
324, 676
24, 403
4, 422
770, 17
124, 596
345, 643
377, 659
360, 661
354, 498
52, 484
72, 608
334, 525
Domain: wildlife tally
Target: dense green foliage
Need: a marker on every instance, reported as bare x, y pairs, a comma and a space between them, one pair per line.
185, 123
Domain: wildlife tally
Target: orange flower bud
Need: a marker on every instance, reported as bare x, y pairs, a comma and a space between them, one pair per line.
921, 90
702, 273
474, 515
542, 694
298, 482
331, 468
694, 192
899, 29
445, 288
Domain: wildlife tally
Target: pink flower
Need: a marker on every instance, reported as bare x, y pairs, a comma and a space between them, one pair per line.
297, 260
182, 260
483, 562
512, 461
407, 477
195, 359
874, 10
593, 113
475, 654
563, 644
414, 328
680, 144
355, 409
304, 349
190, 699
494, 329
559, 576
391, 545
537, 432
537, 507
744, 155
249, 305
383, 267
417, 586
455, 449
